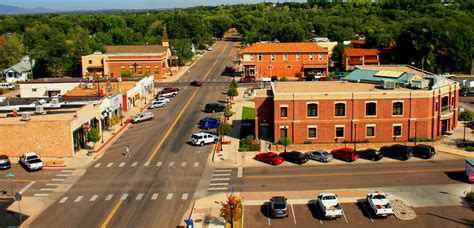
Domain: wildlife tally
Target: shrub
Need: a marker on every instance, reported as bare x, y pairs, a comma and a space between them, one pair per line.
285, 141
420, 139
469, 148
284, 79
461, 143
254, 147
308, 142
470, 197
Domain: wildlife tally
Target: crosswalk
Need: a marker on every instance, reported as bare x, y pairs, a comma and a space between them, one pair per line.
53, 183
220, 180
124, 196
145, 164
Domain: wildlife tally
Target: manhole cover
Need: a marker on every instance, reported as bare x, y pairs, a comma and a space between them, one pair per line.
198, 220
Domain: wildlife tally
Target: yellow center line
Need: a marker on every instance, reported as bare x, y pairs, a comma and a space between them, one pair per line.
112, 213
353, 173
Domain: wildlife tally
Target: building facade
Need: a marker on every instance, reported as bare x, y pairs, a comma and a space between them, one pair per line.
20, 72
338, 111
358, 56
284, 59
47, 87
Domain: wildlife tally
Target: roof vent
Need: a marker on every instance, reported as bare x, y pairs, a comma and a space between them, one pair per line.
25, 116
389, 84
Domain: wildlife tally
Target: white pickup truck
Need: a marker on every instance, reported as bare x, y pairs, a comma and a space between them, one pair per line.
379, 204
31, 161
329, 205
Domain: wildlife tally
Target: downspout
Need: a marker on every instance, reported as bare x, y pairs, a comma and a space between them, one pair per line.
409, 118
352, 121
293, 121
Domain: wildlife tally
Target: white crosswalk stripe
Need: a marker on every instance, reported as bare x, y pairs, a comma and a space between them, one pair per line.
169, 196
97, 165
139, 196
110, 164
109, 197
223, 170
220, 174
185, 196
124, 196
93, 198
41, 194
79, 198
52, 184
154, 196
47, 189
159, 163
63, 174
58, 179
67, 171
171, 164
220, 179
216, 188
122, 164
146, 163
196, 164
134, 164
183, 164
218, 184
63, 199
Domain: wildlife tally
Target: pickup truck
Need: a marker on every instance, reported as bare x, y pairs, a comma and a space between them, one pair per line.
379, 204
329, 205
31, 161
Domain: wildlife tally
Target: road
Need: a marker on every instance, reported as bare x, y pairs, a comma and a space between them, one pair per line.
155, 185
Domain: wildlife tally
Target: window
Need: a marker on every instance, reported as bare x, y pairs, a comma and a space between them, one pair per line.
397, 130
283, 132
33, 90
269, 66
272, 57
288, 66
339, 132
298, 57
312, 110
311, 56
285, 56
251, 57
397, 108
445, 104
371, 109
370, 131
90, 61
284, 112
156, 70
436, 106
259, 57
147, 71
320, 56
340, 109
140, 70
311, 132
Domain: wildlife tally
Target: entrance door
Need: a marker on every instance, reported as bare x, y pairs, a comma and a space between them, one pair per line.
444, 126
264, 132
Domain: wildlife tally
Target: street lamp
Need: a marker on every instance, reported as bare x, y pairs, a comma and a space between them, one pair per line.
355, 137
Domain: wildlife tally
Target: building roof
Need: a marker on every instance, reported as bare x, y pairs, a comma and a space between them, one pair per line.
323, 87
132, 49
106, 88
375, 76
403, 68
283, 47
360, 52
22, 66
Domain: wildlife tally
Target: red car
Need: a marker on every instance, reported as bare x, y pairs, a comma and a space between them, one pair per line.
346, 154
271, 158
247, 79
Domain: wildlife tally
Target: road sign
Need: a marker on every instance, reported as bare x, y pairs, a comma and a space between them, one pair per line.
10, 175
189, 223
18, 196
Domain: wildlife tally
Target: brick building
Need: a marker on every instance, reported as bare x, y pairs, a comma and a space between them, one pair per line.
284, 59
358, 56
338, 111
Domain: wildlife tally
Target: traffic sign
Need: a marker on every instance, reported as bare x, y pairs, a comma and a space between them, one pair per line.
10, 175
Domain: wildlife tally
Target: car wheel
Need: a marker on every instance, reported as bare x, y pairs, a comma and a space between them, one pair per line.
201, 144
271, 163
321, 159
347, 160
373, 159
258, 159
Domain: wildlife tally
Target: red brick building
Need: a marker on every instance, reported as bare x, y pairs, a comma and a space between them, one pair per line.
337, 111
358, 56
284, 59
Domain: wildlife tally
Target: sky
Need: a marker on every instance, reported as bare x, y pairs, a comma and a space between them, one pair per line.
125, 4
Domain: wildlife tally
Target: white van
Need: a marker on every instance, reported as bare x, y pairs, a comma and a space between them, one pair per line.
7, 86
144, 116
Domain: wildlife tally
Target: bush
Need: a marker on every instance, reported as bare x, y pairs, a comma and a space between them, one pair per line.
249, 143
469, 148
420, 139
254, 147
285, 141
470, 197
308, 142
284, 79
461, 143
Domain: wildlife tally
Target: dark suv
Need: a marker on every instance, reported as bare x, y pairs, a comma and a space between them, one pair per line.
295, 157
397, 151
424, 151
370, 154
214, 107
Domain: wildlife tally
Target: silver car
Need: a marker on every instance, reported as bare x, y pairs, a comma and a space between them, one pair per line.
319, 155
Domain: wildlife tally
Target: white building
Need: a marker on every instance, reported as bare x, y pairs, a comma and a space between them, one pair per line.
47, 87
20, 72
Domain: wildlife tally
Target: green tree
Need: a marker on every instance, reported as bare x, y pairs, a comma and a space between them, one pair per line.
225, 128
228, 111
465, 116
182, 48
232, 92
11, 51
234, 84
127, 73
93, 136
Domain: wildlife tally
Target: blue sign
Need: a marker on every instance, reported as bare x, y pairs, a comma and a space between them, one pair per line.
10, 175
189, 223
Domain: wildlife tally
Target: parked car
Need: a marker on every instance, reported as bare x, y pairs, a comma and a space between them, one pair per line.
214, 107
167, 93
295, 157
209, 48
209, 123
31, 161
329, 205
162, 99
271, 158
7, 86
203, 138
370, 154
466, 92
144, 116
397, 151
247, 79
5, 162
171, 88
157, 104
379, 204
196, 83
346, 154
278, 206
320, 155
423, 151
470, 124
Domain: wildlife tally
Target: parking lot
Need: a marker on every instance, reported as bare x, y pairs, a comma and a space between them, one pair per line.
356, 215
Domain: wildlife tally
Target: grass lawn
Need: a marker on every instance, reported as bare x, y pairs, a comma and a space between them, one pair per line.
248, 122
248, 113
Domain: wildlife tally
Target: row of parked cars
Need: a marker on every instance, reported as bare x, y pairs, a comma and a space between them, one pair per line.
397, 151
30, 161
160, 101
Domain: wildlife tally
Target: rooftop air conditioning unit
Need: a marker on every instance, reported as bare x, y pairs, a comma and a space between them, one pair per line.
420, 84
389, 84
90, 86
25, 116
55, 101
39, 109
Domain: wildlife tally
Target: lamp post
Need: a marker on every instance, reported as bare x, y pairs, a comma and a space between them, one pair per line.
355, 137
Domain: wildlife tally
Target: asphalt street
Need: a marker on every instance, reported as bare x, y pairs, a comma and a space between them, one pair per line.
155, 185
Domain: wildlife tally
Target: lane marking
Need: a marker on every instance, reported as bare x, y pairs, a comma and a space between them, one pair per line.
124, 196
169, 196
134, 164
184, 109
41, 194
220, 174
293, 212
185, 196
345, 218
223, 170
154, 196
196, 164
147, 163
97, 165
47, 189
27, 187
63, 199
368, 213
122, 164
111, 214
216, 189
239, 172
159, 163
109, 197
63, 175
52, 184
79, 198
354, 173
58, 179
220, 179
110, 164
93, 198
139, 196
218, 184
171, 164
67, 171
184, 164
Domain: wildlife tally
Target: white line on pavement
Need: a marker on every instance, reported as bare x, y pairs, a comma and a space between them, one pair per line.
109, 197
79, 198
185, 196
239, 172
134, 164
171, 164
154, 196
110, 164
139, 196
27, 187
67, 171
216, 188
58, 179
63, 199
52, 184
196, 164
47, 189
268, 214
220, 179
183, 164
223, 170
93, 198
159, 163
368, 213
169, 196
63, 174
147, 163
41, 194
122, 164
293, 212
216, 184
124, 196
97, 165
220, 174
344, 214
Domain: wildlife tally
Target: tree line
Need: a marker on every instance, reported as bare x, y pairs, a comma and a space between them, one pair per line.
437, 36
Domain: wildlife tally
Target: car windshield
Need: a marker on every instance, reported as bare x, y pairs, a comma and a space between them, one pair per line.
326, 154
34, 160
32, 157
329, 198
379, 197
195, 137
272, 156
279, 205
